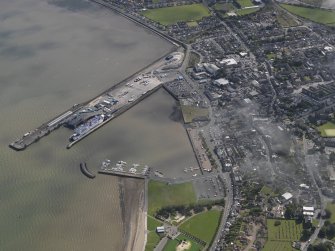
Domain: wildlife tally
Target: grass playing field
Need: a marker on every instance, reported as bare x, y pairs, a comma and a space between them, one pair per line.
313, 14
327, 130
280, 237
203, 225
172, 15
171, 245
162, 195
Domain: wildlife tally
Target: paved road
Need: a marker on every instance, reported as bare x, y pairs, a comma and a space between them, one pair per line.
322, 197
183, 180
207, 136
229, 200
160, 246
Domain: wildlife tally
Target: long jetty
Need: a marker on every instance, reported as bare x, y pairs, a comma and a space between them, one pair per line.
43, 130
122, 174
33, 136
115, 114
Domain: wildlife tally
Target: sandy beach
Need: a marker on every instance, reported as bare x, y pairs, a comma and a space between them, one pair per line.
132, 205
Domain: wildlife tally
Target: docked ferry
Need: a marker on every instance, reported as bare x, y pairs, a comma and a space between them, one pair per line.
86, 127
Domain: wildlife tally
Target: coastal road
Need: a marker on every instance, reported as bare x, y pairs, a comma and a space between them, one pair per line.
229, 200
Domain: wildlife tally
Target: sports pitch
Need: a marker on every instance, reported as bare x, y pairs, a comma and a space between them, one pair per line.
172, 15
314, 14
163, 195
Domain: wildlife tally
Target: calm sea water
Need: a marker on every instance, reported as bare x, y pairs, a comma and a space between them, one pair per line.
53, 54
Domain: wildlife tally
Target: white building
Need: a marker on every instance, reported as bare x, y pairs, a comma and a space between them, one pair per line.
160, 230
308, 211
304, 186
228, 62
221, 82
287, 196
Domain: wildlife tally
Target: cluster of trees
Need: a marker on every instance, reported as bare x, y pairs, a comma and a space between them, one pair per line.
251, 193
166, 212
328, 230
307, 233
321, 247
292, 211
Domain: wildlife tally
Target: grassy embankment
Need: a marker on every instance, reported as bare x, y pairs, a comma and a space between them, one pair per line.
314, 14
243, 12
172, 15
280, 237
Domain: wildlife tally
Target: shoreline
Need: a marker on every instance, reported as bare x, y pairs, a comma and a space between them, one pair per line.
135, 218
132, 206
116, 9
137, 228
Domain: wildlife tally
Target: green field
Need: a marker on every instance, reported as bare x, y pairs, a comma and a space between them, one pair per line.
172, 15
171, 245
267, 191
203, 225
153, 237
280, 237
244, 12
285, 20
327, 130
245, 3
278, 246
313, 14
224, 7
162, 195
331, 208
288, 230
191, 112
